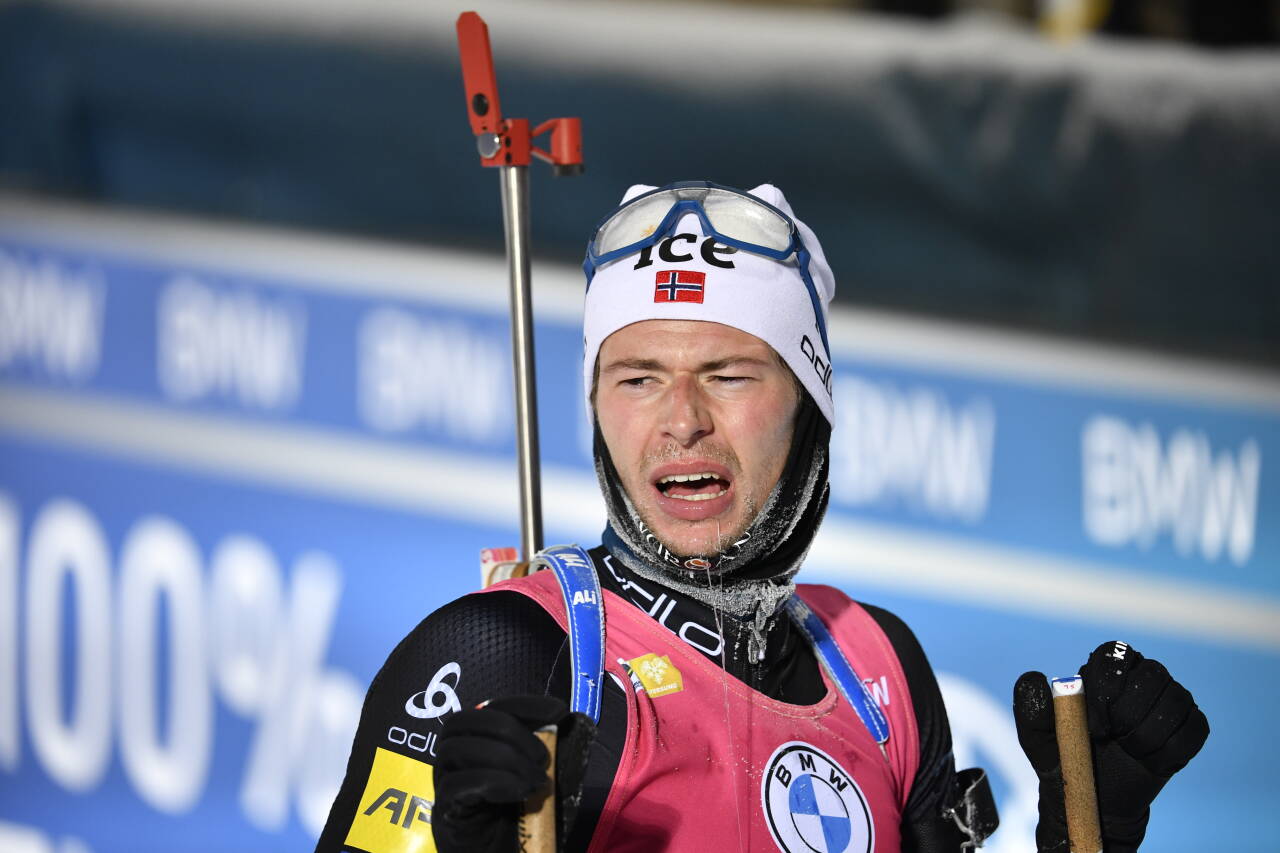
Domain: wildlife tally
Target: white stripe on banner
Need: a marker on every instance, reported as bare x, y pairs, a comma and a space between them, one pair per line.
954, 569
482, 490
313, 461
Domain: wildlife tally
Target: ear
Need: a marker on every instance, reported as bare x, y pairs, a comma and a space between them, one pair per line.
635, 190
772, 195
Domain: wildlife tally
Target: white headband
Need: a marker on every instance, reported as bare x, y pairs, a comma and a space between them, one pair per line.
688, 276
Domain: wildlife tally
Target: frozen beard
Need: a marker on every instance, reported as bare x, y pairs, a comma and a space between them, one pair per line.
751, 577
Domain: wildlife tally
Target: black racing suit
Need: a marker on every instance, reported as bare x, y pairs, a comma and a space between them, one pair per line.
505, 644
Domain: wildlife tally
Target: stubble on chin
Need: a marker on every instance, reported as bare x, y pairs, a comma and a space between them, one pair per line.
707, 538
701, 538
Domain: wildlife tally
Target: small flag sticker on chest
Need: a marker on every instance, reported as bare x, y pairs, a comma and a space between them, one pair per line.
679, 286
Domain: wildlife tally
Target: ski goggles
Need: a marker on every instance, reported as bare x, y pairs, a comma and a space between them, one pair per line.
730, 216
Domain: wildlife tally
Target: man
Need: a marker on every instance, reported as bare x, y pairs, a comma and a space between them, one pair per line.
730, 713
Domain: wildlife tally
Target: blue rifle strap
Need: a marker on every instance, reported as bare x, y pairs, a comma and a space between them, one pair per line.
842, 673
584, 610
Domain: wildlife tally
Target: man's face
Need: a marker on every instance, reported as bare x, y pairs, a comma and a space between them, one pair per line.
698, 419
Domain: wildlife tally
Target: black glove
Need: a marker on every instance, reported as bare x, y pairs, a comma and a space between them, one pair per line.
488, 762
1144, 727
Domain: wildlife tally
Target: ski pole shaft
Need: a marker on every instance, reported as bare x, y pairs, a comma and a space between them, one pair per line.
1076, 756
515, 210
537, 829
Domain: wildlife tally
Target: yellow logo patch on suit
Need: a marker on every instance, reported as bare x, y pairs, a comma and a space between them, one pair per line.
395, 808
658, 674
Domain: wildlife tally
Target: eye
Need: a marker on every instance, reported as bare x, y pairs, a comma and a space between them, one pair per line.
636, 381
730, 380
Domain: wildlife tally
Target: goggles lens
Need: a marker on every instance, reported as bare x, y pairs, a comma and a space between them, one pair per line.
733, 215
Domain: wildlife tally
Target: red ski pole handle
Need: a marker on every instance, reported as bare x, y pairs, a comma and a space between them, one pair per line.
478, 78
508, 142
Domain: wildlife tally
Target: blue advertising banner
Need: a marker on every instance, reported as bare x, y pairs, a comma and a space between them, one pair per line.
236, 467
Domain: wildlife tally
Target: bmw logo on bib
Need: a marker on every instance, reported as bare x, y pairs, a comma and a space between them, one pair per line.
812, 804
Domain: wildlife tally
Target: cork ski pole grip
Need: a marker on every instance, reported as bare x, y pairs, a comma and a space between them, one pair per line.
537, 830
1076, 756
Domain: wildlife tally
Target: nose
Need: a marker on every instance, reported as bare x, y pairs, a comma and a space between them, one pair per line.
688, 418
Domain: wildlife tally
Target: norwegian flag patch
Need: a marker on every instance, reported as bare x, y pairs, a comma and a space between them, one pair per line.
679, 286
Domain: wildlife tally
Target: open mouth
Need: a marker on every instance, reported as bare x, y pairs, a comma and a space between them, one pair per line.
701, 486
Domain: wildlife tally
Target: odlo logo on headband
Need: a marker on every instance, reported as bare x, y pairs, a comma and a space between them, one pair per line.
666, 252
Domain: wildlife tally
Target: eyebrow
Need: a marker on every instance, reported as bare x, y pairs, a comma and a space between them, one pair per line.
705, 367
